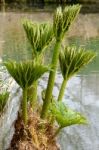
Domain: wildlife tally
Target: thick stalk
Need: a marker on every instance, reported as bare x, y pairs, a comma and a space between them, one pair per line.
51, 80
33, 95
24, 106
62, 90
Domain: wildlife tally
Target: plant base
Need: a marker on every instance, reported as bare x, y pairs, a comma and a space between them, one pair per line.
36, 136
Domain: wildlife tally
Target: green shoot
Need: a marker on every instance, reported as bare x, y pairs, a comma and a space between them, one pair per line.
63, 20
25, 73
61, 23
72, 60
39, 35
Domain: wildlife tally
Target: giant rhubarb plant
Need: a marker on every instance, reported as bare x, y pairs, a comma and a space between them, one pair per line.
25, 73
72, 60
39, 37
62, 21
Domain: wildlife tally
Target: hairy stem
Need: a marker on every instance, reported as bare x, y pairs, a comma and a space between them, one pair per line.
33, 95
62, 90
24, 106
51, 80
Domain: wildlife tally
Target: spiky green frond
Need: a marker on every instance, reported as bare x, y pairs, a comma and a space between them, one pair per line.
63, 19
65, 116
73, 59
39, 35
25, 73
3, 100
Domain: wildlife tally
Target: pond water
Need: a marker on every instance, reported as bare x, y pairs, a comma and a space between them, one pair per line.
82, 90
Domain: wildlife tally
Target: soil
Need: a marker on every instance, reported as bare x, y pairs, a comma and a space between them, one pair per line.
37, 135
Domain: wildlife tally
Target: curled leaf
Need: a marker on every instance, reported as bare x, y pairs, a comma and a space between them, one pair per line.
39, 35
73, 60
25, 73
63, 19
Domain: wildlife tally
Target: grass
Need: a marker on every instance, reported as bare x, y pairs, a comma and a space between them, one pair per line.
3, 100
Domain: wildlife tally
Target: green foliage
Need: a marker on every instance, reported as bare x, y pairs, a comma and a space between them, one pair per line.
25, 73
73, 59
61, 23
65, 116
63, 20
3, 100
39, 35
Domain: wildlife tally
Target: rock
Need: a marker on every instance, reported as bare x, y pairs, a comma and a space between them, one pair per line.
10, 113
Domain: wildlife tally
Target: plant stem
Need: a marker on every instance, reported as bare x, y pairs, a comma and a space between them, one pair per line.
24, 106
51, 80
62, 90
57, 132
33, 95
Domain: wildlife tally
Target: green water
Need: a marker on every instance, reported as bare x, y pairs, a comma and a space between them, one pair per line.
14, 45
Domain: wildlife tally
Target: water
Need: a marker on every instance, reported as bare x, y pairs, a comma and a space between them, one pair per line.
82, 91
